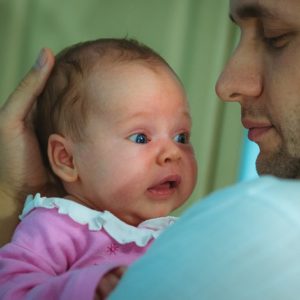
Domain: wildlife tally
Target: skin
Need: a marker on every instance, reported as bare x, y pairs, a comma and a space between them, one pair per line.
136, 141
111, 168
108, 283
21, 171
263, 75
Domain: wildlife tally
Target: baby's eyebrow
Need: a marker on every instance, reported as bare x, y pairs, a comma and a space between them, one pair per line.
188, 115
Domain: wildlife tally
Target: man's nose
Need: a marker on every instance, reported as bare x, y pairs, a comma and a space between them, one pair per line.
242, 76
169, 152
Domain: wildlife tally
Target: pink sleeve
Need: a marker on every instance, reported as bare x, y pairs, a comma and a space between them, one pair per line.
35, 265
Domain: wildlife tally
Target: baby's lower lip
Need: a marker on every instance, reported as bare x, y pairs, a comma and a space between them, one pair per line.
164, 189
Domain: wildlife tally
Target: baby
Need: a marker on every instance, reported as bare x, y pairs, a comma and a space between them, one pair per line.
114, 127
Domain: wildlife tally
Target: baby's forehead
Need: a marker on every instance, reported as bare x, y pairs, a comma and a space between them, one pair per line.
111, 73
109, 65
107, 76
122, 82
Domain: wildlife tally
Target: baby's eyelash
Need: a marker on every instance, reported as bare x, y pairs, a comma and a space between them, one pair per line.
183, 138
139, 138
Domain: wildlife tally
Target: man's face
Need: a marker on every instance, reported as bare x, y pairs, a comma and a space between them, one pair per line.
263, 75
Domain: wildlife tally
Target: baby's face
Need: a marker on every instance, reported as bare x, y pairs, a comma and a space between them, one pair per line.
136, 161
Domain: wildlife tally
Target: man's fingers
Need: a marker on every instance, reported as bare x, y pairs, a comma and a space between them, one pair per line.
109, 281
20, 102
120, 271
107, 285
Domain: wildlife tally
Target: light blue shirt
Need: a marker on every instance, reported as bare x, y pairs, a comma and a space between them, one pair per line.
240, 243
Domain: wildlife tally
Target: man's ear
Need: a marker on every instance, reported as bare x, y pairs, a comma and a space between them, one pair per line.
61, 158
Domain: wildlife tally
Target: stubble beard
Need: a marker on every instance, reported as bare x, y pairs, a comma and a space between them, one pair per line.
283, 163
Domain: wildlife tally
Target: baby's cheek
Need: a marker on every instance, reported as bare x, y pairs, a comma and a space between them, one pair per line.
193, 168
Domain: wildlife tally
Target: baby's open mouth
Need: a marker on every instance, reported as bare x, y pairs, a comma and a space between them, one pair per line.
167, 183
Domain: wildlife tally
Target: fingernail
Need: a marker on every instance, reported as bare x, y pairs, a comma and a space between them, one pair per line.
41, 60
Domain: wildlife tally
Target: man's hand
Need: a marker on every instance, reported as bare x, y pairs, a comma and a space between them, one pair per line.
108, 282
21, 167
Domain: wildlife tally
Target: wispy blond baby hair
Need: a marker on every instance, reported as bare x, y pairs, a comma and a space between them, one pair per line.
62, 107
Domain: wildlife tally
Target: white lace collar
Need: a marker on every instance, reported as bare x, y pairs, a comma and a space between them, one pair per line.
120, 231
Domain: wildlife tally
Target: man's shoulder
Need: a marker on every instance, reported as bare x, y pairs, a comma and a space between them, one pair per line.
264, 198
262, 188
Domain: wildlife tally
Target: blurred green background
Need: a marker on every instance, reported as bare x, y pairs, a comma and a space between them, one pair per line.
194, 36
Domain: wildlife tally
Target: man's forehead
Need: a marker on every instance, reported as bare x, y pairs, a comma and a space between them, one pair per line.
270, 9
248, 9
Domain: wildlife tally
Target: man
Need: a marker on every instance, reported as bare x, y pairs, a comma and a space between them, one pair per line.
239, 243
243, 242
263, 76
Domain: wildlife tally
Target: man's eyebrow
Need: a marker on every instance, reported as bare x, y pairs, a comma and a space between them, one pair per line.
253, 11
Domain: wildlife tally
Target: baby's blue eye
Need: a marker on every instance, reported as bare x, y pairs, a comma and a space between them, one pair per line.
182, 138
139, 138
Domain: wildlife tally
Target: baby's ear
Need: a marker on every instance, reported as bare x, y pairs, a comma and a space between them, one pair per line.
61, 158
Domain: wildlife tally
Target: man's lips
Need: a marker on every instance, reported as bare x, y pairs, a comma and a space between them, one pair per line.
165, 186
256, 130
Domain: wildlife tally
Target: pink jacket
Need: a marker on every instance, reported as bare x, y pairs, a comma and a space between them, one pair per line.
53, 256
